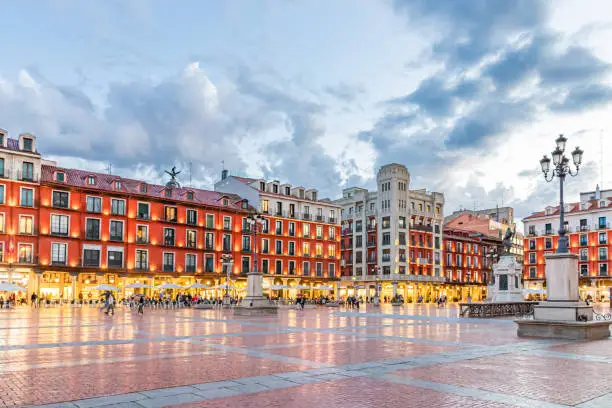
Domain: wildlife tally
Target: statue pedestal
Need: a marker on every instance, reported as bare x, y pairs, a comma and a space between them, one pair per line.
255, 304
507, 286
563, 315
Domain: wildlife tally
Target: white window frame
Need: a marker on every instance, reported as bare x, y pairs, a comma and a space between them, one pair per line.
99, 227
262, 245
195, 263
208, 255
289, 268
163, 262
148, 208
51, 215
276, 261
205, 240
65, 254
330, 272
21, 195
289, 248
164, 236
22, 216
136, 258
61, 191
187, 216
116, 249
3, 223
303, 269
317, 268
196, 237
262, 261
93, 248
124, 206
122, 229
136, 236
101, 204
225, 217
3, 195
281, 247
250, 268
25, 244
206, 220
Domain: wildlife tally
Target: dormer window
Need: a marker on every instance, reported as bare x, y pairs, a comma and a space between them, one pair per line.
91, 180
262, 186
1, 139
245, 204
287, 190
225, 201
143, 188
314, 196
168, 192
190, 195
117, 185
60, 177
602, 204
275, 188
28, 144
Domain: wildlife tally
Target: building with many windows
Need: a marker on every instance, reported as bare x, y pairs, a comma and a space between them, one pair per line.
590, 235
392, 238
299, 243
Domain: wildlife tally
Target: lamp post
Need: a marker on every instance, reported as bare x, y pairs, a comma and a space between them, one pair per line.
227, 260
255, 223
561, 168
377, 269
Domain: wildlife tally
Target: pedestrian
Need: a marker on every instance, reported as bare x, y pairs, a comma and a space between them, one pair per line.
33, 298
141, 305
111, 304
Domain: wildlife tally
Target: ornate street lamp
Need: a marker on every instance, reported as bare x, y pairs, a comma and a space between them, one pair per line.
227, 260
561, 168
255, 223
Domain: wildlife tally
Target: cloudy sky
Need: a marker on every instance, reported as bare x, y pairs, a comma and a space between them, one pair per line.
468, 94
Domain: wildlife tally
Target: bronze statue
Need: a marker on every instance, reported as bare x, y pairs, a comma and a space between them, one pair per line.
173, 173
507, 241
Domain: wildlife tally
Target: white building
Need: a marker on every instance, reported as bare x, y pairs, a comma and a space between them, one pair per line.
392, 237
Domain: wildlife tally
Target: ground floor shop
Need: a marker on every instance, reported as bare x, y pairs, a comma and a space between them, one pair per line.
413, 291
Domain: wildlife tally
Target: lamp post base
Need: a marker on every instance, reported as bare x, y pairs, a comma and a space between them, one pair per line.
255, 304
227, 301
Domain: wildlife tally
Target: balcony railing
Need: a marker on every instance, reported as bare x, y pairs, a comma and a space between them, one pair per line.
426, 228
319, 218
386, 258
141, 267
190, 268
168, 268
27, 260
306, 216
371, 243
142, 240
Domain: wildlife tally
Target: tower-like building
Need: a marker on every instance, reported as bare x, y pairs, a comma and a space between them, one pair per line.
391, 238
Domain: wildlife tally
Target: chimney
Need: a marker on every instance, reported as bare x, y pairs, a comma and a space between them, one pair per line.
224, 174
597, 193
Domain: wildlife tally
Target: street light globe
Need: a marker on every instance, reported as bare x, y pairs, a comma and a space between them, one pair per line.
545, 163
557, 154
561, 140
577, 156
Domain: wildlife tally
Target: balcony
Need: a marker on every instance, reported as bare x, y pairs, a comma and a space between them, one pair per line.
168, 268
292, 215
227, 227
169, 242
28, 260
209, 247
58, 263
190, 268
371, 227
604, 225
386, 258
319, 255
171, 219
115, 238
306, 255
371, 244
29, 231
425, 228
372, 260
347, 231
331, 220
142, 241
320, 218
141, 267
143, 216
402, 258
306, 216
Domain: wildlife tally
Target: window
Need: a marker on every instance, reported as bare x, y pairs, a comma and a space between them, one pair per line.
359, 241
94, 204
386, 222
584, 270
227, 223
168, 262
291, 267
319, 232
170, 213
602, 222
209, 241
28, 144
449, 259
584, 240
358, 257
603, 269
168, 192
291, 250
142, 234
246, 264
117, 207
548, 229
92, 228
306, 269
319, 267
265, 246
603, 254
292, 229
27, 172
358, 226
584, 254
26, 225
458, 262
279, 247
265, 266
292, 210
227, 242
319, 250
192, 217
532, 258
1, 166
192, 239
60, 199
386, 238
2, 223
59, 224
190, 262
209, 263
27, 197
143, 211
278, 267
116, 230
279, 208
306, 230
190, 195
143, 188
246, 243
279, 228
169, 236
210, 221
306, 249
402, 238
265, 228
1, 194
142, 259
332, 233
262, 186
115, 259
91, 257
331, 250
117, 185
91, 180
532, 245
332, 270
26, 253
265, 206
548, 243
58, 254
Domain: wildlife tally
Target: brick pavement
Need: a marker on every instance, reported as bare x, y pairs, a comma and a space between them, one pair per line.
411, 356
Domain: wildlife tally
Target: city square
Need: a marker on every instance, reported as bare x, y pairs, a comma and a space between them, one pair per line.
409, 356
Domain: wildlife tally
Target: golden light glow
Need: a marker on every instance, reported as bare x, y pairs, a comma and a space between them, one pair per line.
105, 212
75, 235
44, 231
75, 208
46, 203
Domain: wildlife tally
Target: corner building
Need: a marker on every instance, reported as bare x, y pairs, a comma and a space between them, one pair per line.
392, 238
299, 243
588, 223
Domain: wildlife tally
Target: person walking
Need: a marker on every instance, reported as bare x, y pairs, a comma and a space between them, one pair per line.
33, 299
141, 305
111, 305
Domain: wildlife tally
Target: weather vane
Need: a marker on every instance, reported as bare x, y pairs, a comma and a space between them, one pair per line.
172, 173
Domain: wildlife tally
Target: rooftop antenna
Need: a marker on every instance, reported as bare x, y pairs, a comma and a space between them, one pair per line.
601, 152
109, 169
190, 173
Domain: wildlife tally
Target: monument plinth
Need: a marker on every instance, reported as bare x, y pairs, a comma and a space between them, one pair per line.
563, 315
507, 286
255, 304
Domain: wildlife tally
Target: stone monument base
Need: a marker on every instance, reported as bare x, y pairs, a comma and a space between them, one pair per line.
563, 311
255, 306
553, 329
